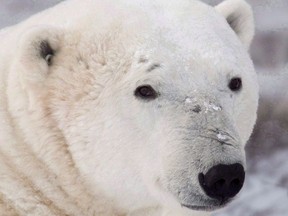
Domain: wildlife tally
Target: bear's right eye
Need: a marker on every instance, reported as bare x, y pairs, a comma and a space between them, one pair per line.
146, 92
235, 84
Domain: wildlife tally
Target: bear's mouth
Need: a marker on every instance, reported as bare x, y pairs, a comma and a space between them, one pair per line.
209, 207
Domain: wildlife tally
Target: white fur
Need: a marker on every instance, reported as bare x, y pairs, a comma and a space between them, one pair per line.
240, 16
74, 138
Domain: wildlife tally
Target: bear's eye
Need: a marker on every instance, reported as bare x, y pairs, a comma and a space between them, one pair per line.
146, 92
235, 84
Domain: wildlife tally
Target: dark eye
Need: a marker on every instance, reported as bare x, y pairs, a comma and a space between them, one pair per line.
146, 92
235, 84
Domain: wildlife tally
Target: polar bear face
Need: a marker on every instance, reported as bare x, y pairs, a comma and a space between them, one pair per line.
155, 110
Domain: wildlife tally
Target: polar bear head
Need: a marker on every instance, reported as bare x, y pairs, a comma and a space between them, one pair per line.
156, 101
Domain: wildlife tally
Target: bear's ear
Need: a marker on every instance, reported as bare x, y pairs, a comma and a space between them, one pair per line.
36, 51
239, 16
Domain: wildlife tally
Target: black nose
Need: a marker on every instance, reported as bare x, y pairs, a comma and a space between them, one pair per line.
223, 181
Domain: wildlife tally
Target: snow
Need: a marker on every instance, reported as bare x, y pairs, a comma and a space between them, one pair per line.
189, 100
214, 107
222, 137
265, 192
211, 107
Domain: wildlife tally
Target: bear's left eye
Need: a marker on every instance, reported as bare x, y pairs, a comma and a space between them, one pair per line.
235, 84
146, 92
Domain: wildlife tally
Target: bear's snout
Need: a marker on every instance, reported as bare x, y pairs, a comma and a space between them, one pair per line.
222, 182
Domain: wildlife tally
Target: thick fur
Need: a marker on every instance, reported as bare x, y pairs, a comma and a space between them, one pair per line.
75, 140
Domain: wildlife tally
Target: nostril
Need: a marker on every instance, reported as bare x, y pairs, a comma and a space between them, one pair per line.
235, 183
223, 181
219, 184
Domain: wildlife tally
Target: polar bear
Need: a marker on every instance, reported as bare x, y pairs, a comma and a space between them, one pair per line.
121, 107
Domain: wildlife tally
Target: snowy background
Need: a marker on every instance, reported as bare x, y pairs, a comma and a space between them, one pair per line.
266, 189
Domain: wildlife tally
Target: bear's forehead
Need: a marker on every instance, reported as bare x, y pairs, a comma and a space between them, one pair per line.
184, 26
182, 34
186, 29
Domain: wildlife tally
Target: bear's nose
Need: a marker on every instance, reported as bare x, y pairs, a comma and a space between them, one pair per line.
223, 181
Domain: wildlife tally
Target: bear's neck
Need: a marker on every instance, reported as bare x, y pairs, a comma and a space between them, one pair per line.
37, 173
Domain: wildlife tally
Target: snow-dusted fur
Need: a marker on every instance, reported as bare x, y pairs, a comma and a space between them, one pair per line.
74, 138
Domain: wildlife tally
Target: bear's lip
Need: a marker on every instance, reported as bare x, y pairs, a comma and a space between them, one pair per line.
203, 208
208, 207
